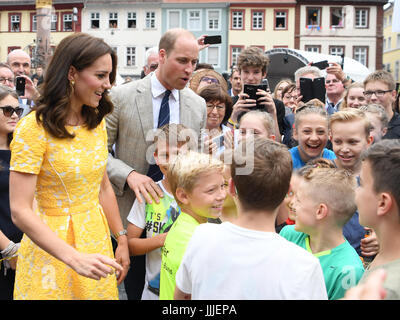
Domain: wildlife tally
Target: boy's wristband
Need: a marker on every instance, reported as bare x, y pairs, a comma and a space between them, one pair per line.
231, 122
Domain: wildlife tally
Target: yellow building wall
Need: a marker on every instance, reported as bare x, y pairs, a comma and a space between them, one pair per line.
267, 37
25, 37
391, 54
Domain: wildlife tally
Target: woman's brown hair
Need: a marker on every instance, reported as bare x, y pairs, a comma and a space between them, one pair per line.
215, 92
5, 92
79, 50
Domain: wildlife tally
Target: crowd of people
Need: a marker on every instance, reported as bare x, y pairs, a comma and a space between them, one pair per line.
183, 185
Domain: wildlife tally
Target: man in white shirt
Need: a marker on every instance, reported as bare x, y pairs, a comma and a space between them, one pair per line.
246, 259
139, 109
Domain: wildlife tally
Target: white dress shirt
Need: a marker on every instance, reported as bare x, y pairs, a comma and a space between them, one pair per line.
157, 92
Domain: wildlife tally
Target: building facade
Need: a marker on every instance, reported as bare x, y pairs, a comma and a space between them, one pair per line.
200, 18
129, 27
18, 25
264, 24
391, 44
340, 27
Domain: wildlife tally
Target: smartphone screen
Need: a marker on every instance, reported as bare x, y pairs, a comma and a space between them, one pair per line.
20, 86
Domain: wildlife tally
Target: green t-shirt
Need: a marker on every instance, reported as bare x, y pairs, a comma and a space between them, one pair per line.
172, 253
342, 267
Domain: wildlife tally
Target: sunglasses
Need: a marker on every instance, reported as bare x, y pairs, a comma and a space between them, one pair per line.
8, 111
207, 79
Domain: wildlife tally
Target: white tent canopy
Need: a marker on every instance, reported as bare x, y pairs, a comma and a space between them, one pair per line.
285, 62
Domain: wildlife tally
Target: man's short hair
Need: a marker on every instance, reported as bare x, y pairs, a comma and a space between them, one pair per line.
265, 187
5, 65
253, 57
172, 133
384, 160
333, 187
349, 115
186, 169
377, 110
149, 52
307, 69
167, 41
382, 76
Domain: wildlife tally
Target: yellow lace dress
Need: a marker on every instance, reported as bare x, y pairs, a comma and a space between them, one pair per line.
69, 173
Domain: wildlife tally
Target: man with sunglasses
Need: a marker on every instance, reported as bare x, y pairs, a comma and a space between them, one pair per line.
380, 88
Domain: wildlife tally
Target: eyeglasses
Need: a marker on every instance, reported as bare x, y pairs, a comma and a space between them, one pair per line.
208, 79
6, 79
8, 111
289, 97
378, 93
153, 67
333, 81
211, 107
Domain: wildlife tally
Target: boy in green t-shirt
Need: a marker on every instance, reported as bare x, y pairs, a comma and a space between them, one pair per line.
324, 202
197, 183
156, 218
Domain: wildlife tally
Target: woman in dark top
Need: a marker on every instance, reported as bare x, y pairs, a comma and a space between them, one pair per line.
10, 235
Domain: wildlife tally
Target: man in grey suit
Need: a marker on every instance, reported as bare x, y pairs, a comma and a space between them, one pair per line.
137, 109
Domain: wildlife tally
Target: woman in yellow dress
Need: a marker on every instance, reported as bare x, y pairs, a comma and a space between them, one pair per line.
58, 156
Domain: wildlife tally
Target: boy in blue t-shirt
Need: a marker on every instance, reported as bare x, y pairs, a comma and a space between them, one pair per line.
311, 133
156, 218
324, 202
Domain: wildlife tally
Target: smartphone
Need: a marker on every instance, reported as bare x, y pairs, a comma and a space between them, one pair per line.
311, 89
212, 39
322, 65
319, 89
306, 89
20, 86
251, 90
219, 140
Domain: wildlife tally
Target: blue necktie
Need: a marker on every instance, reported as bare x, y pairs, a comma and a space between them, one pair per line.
331, 108
163, 118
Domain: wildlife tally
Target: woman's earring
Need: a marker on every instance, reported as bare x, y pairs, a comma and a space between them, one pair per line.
72, 85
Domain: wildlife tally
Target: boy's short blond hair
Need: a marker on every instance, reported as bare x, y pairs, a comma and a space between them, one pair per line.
333, 187
265, 119
348, 115
382, 76
187, 167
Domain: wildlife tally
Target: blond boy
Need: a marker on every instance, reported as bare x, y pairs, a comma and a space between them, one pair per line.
324, 203
350, 136
246, 259
156, 218
197, 183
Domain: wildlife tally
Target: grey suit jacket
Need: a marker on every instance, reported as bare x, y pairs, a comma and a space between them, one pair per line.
127, 127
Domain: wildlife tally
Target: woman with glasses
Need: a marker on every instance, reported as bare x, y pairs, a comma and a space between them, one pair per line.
219, 109
289, 98
10, 235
